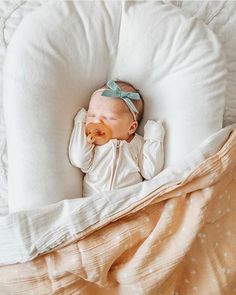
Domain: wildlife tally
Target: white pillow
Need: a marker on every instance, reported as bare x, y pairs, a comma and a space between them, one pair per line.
63, 51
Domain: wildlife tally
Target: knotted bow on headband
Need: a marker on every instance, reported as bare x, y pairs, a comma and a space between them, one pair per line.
127, 97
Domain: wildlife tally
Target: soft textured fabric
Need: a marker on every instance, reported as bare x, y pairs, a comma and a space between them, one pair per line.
177, 64
32, 232
178, 240
116, 164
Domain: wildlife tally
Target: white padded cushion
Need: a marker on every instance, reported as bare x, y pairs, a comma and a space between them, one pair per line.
64, 50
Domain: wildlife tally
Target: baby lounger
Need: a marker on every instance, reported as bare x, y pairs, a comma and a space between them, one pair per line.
47, 82
156, 236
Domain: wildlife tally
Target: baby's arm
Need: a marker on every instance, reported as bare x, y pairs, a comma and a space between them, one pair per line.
152, 157
81, 152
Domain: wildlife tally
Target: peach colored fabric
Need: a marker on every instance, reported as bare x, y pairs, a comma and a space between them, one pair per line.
181, 242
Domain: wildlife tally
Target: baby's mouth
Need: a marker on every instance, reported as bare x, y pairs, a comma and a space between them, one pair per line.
97, 133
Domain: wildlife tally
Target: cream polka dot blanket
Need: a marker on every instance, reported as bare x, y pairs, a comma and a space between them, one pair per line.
178, 240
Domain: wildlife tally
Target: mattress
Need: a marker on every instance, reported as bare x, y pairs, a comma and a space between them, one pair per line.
218, 15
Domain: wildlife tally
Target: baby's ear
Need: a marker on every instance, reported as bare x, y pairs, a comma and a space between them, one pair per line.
133, 127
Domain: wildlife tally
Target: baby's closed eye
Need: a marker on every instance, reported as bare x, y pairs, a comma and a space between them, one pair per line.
109, 118
102, 117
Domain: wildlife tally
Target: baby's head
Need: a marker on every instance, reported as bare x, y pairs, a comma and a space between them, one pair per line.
114, 111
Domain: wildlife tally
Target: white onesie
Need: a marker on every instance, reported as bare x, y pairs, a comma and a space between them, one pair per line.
117, 163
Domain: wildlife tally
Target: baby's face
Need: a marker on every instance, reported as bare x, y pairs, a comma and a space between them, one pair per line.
114, 113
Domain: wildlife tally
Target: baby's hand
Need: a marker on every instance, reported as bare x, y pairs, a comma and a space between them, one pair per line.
81, 116
154, 130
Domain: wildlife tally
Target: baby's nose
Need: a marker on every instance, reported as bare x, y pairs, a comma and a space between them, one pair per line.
97, 120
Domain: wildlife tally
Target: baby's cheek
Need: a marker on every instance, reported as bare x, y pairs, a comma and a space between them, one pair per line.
119, 129
112, 127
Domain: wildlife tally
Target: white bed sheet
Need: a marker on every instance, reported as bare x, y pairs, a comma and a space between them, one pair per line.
220, 16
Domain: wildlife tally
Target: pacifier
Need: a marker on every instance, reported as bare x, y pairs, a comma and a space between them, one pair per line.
98, 133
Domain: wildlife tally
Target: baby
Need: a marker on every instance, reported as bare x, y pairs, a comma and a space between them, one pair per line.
127, 158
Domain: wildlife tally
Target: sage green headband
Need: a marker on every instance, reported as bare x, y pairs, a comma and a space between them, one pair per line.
127, 97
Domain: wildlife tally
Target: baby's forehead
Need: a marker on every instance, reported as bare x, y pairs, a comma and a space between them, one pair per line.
113, 103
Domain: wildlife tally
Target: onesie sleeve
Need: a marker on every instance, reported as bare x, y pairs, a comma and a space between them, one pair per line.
81, 153
152, 156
